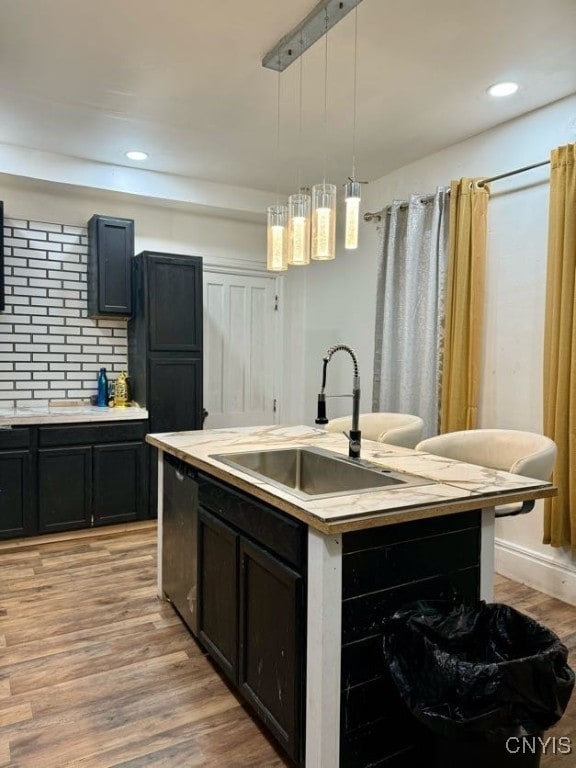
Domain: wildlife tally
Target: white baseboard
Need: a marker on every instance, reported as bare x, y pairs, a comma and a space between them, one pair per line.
535, 570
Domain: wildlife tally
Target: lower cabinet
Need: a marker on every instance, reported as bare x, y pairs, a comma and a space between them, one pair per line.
62, 477
252, 618
16, 501
87, 485
218, 601
270, 650
64, 488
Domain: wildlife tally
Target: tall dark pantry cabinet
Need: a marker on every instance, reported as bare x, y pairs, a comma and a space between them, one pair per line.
165, 345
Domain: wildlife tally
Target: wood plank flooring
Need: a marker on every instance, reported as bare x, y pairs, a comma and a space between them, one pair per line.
96, 672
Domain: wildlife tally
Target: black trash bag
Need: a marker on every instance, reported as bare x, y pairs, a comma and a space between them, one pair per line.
484, 672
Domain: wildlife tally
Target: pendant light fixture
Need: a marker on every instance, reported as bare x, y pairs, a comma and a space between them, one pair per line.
289, 227
352, 187
299, 206
277, 226
324, 195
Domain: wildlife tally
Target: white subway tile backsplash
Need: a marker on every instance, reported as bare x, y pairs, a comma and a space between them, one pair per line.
31, 366
44, 283
31, 234
15, 357
43, 226
49, 348
13, 338
30, 311
14, 375
64, 238
14, 242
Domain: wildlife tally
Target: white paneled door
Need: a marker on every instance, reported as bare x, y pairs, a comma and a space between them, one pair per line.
240, 349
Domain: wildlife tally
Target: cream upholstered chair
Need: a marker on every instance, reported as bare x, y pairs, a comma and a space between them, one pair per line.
511, 450
392, 428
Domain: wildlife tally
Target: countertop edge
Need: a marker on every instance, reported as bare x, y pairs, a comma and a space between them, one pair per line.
108, 414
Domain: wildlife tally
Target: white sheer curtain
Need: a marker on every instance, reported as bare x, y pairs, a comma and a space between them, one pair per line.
409, 307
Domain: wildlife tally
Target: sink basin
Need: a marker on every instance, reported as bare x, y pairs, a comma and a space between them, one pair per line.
317, 473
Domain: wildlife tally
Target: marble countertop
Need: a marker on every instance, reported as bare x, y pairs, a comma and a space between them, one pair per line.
67, 414
456, 486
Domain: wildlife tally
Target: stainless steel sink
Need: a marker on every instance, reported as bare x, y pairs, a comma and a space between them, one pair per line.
316, 472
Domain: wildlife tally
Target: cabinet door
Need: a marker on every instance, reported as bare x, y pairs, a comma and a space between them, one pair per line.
64, 488
118, 477
272, 643
110, 253
175, 303
218, 592
16, 518
175, 394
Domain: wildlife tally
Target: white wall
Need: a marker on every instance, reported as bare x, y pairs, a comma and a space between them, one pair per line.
341, 301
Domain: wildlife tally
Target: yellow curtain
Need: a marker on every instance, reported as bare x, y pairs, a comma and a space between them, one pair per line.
560, 347
464, 305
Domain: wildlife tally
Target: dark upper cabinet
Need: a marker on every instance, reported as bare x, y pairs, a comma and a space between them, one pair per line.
165, 338
175, 295
165, 345
110, 253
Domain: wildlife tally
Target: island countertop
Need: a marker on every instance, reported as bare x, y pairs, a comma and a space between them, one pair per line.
455, 487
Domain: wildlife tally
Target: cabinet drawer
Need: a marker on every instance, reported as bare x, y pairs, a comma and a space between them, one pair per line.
284, 536
76, 434
14, 437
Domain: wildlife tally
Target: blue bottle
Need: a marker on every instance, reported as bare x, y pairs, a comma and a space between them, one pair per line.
102, 388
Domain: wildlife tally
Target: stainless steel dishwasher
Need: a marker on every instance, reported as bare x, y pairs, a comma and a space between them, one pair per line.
179, 539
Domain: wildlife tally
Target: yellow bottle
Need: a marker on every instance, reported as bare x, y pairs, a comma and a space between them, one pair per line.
121, 391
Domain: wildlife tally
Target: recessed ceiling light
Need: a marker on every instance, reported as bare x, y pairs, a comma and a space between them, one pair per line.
502, 89
135, 154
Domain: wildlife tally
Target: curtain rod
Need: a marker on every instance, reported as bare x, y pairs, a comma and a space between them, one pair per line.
378, 216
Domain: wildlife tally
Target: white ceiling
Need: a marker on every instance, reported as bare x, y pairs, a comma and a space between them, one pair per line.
183, 80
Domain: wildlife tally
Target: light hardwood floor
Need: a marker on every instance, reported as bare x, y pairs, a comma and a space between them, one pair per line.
96, 672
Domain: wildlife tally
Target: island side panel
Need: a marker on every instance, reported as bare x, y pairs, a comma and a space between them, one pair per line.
383, 569
159, 537
323, 650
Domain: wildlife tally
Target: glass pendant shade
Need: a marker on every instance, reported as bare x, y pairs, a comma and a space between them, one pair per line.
277, 255
352, 195
323, 222
299, 229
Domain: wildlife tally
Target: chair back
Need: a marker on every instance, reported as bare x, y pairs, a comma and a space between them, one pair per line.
523, 453
402, 429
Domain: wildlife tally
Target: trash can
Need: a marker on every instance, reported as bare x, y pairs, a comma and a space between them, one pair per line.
485, 679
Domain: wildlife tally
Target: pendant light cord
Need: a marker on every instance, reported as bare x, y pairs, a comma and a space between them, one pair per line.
326, 97
300, 151
354, 98
278, 142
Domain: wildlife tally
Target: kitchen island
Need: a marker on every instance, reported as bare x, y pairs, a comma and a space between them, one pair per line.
292, 591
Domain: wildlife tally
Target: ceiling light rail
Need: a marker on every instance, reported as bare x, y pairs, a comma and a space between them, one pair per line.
377, 215
325, 15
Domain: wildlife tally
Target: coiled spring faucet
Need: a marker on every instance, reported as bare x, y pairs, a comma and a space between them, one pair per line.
354, 434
